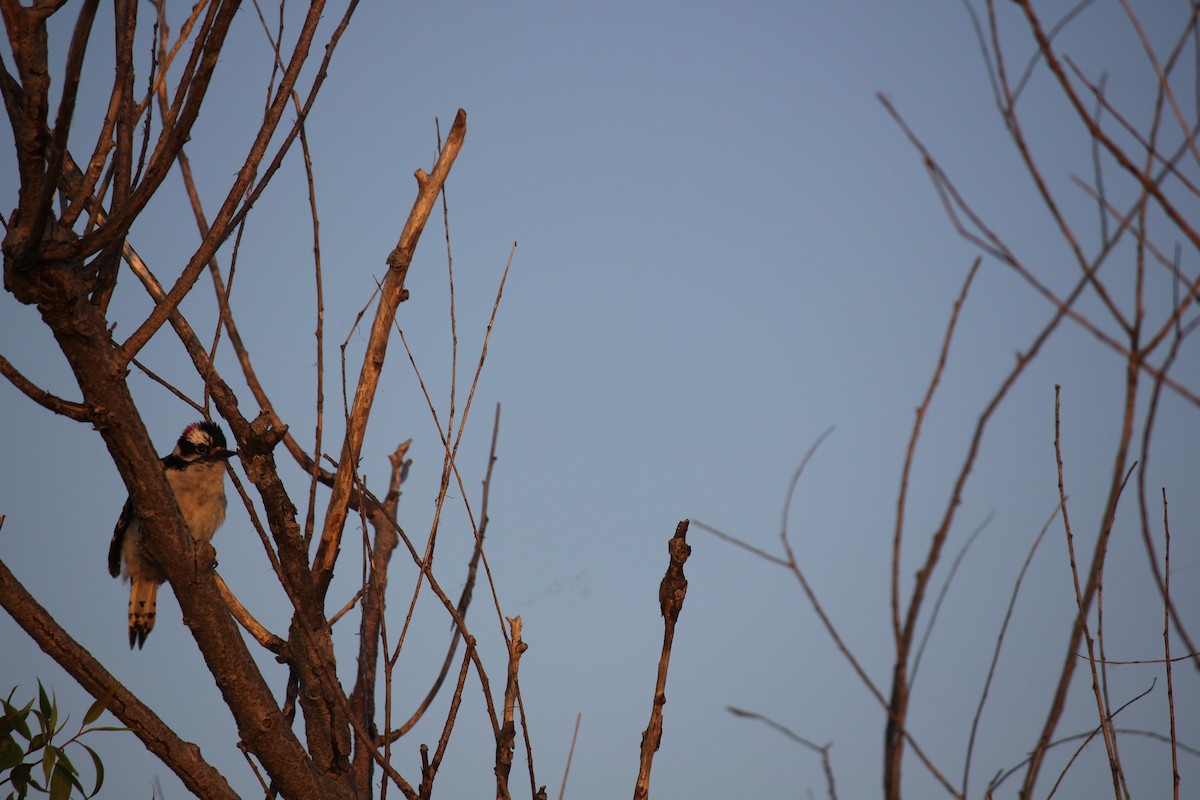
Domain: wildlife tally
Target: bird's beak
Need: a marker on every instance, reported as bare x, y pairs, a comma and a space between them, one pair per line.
225, 454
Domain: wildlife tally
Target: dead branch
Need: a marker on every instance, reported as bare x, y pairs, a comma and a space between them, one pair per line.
362, 698
671, 594
429, 186
506, 738
247, 620
67, 408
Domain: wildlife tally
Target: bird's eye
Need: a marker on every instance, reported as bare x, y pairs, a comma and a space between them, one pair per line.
201, 449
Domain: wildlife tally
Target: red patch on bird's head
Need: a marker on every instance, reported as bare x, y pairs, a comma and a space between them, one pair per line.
195, 434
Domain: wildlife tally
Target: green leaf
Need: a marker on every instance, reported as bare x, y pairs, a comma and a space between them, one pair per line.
48, 759
109, 728
22, 722
20, 778
44, 704
37, 742
53, 728
60, 784
9, 709
101, 704
16, 718
11, 754
99, 765
65, 762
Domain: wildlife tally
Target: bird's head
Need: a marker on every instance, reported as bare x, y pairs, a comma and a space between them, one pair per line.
202, 441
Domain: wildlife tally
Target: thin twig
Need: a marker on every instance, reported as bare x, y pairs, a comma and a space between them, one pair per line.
429, 770
910, 452
942, 594
1105, 717
1106, 723
570, 754
821, 749
791, 564
464, 599
987, 683
1167, 645
1002, 775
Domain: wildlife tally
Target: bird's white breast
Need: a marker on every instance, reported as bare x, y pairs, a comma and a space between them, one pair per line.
200, 492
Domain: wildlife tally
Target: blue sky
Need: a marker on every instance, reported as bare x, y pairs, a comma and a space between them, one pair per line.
724, 247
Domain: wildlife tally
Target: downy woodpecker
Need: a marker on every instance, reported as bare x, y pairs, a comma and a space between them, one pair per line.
195, 471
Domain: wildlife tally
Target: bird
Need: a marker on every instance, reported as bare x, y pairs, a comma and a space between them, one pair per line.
195, 471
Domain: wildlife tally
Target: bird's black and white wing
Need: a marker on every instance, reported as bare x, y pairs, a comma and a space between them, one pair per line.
118, 539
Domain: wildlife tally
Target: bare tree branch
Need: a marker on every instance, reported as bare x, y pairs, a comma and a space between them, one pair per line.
76, 411
429, 186
671, 595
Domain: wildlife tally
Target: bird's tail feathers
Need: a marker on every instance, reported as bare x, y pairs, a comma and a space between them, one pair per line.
143, 604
